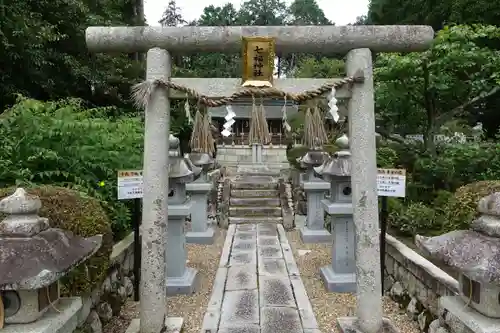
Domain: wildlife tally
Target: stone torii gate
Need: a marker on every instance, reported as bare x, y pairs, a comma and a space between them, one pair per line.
357, 41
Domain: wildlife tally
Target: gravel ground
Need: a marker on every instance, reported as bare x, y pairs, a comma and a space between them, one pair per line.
328, 306
205, 258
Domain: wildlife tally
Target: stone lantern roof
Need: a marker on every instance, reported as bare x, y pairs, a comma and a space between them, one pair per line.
340, 164
33, 255
178, 170
201, 159
313, 158
476, 252
468, 251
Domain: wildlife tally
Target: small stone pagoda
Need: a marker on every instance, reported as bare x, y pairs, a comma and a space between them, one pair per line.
201, 232
315, 189
33, 257
180, 278
475, 254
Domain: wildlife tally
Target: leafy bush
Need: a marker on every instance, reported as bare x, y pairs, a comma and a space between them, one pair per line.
64, 144
459, 164
462, 206
415, 218
386, 157
83, 215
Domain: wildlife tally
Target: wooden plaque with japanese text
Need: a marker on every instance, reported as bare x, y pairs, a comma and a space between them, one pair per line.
258, 61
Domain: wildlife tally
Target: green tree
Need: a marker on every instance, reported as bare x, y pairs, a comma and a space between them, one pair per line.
423, 91
172, 16
43, 51
306, 12
434, 13
323, 68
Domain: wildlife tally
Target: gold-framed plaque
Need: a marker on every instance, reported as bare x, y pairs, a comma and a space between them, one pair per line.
258, 61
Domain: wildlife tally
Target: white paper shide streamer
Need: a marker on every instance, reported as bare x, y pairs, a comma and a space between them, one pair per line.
229, 121
286, 125
188, 112
332, 104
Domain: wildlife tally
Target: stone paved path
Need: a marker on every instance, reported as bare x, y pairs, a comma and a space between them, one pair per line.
258, 288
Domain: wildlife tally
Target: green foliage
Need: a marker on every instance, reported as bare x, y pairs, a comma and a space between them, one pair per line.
462, 206
420, 92
432, 13
44, 56
61, 143
432, 181
415, 218
322, 68
386, 157
83, 215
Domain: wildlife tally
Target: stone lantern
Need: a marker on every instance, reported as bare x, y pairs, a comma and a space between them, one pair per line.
340, 276
200, 232
33, 258
180, 279
315, 188
475, 255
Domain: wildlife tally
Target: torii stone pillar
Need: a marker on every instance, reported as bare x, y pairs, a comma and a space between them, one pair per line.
357, 41
154, 202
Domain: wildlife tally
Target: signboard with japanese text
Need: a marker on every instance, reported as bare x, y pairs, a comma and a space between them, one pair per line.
258, 61
391, 183
130, 184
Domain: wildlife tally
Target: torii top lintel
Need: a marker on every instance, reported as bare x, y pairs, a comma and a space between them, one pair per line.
289, 39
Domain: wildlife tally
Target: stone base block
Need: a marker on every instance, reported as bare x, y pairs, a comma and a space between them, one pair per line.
339, 283
349, 325
313, 236
184, 285
463, 318
201, 237
172, 325
62, 319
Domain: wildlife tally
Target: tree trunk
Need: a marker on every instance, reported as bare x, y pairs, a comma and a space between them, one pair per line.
430, 108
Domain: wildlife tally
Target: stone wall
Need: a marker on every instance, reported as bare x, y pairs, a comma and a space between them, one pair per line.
214, 176
223, 203
230, 154
106, 300
286, 202
415, 282
298, 195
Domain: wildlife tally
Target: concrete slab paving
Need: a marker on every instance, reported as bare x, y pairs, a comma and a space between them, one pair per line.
258, 291
242, 277
276, 291
280, 320
240, 308
272, 267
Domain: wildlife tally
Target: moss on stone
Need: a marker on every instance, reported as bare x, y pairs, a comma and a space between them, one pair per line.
84, 216
462, 206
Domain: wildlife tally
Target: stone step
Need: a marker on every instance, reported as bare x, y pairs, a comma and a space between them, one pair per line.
237, 193
255, 202
255, 220
253, 185
254, 211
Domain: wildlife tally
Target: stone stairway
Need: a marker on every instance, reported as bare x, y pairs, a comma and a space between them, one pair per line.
254, 199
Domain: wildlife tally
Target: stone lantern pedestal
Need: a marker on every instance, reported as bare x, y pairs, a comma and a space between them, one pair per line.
200, 232
340, 276
315, 188
475, 255
180, 279
33, 257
